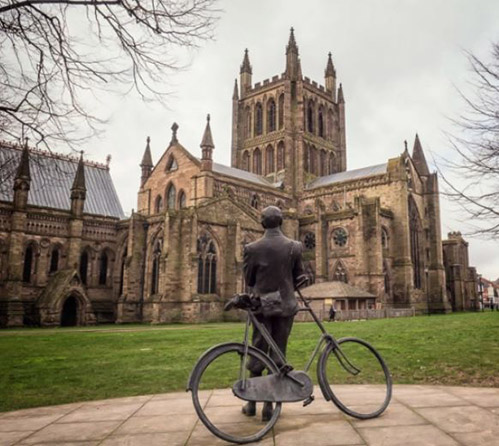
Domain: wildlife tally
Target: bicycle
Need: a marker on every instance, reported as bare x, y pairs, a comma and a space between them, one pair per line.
346, 360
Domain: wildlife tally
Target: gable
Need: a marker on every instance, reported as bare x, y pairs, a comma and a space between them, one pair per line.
224, 210
182, 156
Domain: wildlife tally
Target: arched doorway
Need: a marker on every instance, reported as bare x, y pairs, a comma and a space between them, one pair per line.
69, 314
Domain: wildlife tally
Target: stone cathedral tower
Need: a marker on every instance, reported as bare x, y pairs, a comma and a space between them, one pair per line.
288, 129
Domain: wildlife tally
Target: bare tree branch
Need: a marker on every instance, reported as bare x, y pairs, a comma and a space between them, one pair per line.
475, 149
53, 53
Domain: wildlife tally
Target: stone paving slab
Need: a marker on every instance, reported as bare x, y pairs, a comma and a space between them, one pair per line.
417, 415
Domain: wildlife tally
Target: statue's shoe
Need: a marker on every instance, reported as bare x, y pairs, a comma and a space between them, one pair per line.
249, 409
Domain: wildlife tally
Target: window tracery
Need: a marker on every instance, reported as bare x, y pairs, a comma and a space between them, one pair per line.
171, 195
340, 237
340, 273
207, 265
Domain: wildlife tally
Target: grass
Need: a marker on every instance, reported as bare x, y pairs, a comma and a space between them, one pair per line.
54, 366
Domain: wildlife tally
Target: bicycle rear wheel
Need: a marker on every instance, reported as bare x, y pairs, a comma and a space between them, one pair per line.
354, 362
220, 368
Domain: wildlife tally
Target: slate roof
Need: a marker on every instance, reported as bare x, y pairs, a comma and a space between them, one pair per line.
335, 289
348, 175
52, 177
240, 174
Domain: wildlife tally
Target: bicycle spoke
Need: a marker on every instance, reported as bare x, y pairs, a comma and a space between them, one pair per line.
222, 414
356, 378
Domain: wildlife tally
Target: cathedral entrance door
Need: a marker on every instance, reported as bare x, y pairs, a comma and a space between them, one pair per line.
69, 314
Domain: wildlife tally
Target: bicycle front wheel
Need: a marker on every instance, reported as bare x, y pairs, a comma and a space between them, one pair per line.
220, 368
351, 363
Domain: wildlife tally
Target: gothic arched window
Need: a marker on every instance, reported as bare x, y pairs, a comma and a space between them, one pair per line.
306, 158
255, 202
340, 273
171, 195
54, 260
281, 111
271, 116
246, 161
156, 255
182, 200
158, 204
386, 278
414, 234
323, 163
247, 127
3, 259
84, 267
330, 124
331, 164
258, 119
103, 269
257, 161
310, 117
207, 265
280, 156
171, 165
384, 238
320, 123
269, 165
28, 263
312, 168
122, 270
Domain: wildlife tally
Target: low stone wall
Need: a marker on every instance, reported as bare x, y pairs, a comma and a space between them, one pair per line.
350, 315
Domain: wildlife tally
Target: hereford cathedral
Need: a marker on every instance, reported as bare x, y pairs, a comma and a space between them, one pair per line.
68, 255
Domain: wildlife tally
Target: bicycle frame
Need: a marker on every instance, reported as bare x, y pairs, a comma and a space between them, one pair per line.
283, 365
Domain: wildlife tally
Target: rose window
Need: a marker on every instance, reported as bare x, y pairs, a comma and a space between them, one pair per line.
340, 237
309, 240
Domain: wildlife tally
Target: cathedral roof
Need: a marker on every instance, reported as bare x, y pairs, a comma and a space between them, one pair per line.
348, 175
52, 176
240, 174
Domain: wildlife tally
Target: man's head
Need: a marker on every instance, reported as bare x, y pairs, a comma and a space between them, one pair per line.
271, 217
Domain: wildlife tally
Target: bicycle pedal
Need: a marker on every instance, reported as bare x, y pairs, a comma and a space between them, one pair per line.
309, 400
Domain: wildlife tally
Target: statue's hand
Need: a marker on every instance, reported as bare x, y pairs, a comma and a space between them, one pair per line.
302, 281
242, 301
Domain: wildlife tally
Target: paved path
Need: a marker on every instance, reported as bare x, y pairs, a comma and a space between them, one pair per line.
418, 415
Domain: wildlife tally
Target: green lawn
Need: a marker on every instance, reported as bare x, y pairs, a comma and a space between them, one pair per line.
54, 366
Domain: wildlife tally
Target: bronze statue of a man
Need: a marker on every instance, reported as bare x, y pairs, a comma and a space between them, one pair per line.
272, 267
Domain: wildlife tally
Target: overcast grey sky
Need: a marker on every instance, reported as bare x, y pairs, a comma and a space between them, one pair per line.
399, 61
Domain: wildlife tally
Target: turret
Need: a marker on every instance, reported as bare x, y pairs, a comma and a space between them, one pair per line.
245, 74
330, 78
235, 126
293, 67
78, 190
419, 159
146, 164
341, 98
207, 147
22, 180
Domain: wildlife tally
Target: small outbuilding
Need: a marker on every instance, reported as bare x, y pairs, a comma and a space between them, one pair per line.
339, 294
